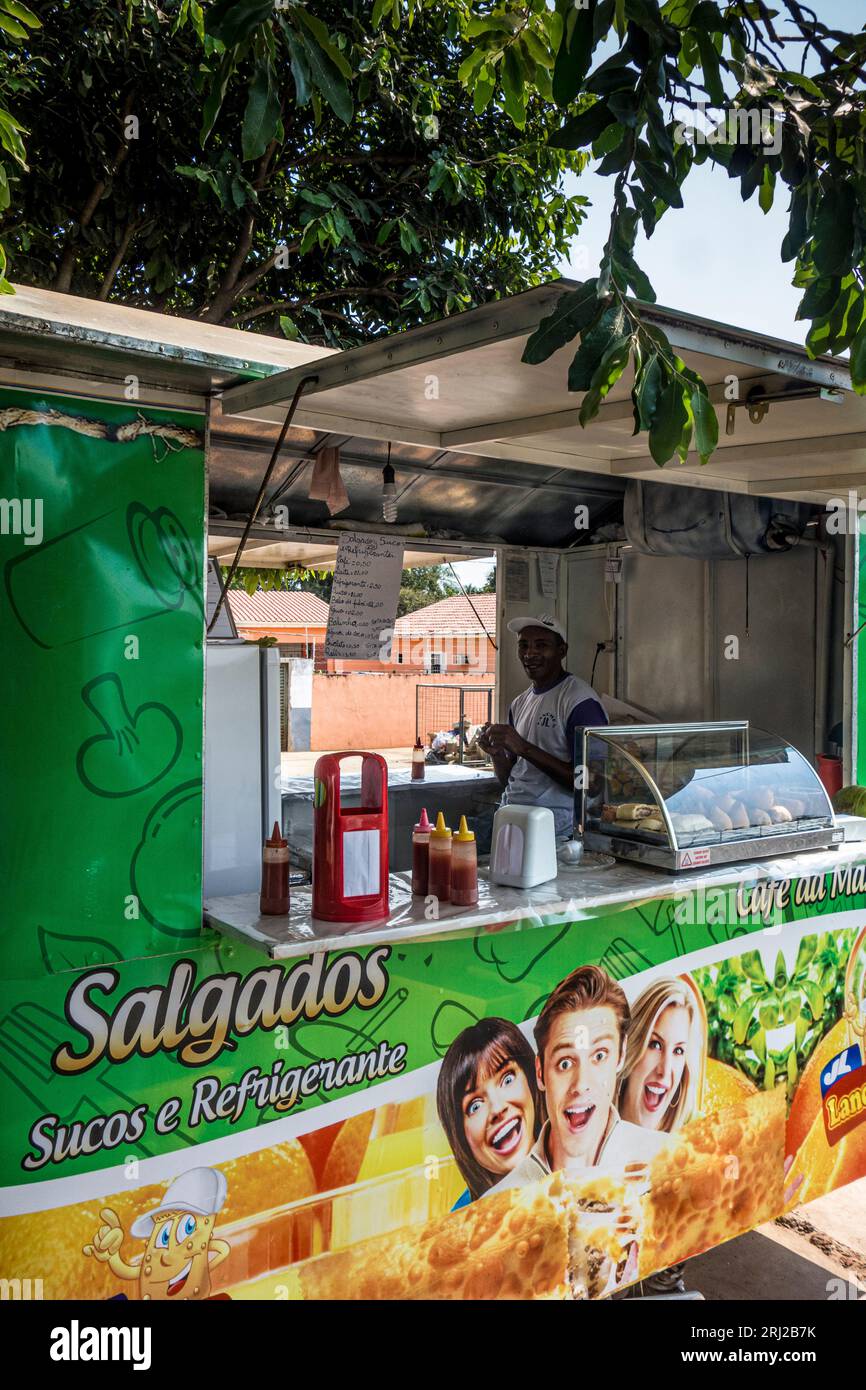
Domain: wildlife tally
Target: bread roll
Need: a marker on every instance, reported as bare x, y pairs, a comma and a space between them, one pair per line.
634, 810
739, 816
691, 823
762, 798
720, 820
757, 816
779, 814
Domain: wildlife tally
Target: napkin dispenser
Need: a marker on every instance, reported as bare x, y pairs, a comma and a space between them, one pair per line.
523, 848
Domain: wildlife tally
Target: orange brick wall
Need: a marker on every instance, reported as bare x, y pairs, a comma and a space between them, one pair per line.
372, 709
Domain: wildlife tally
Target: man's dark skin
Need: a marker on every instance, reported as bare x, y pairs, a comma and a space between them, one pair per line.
541, 654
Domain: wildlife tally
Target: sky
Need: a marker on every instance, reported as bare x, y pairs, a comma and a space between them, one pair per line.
717, 257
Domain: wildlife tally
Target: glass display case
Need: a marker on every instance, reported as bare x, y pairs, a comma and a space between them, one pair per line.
683, 796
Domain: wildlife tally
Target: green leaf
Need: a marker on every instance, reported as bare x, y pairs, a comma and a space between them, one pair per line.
514, 95
815, 997
595, 340
320, 33
571, 314
328, 78
801, 1028
767, 188
606, 375
758, 1044
21, 12
659, 183
289, 328
608, 140
583, 129
262, 112
805, 953
799, 79
481, 95
706, 425
743, 1016
11, 26
631, 272
769, 1075
678, 12
301, 75
710, 66
797, 232
791, 1006
833, 244
669, 423
536, 49
230, 21
769, 1016
646, 394
574, 57
753, 967
858, 362
216, 95
10, 137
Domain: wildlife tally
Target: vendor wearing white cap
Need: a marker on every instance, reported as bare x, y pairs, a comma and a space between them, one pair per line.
533, 753
181, 1251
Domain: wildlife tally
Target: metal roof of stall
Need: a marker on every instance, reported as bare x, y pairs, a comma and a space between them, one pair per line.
486, 449
83, 347
459, 386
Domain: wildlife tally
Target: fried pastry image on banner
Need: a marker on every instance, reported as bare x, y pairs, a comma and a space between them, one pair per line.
717, 1178
555, 1239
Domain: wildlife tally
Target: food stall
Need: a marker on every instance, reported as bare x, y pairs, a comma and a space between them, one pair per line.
204, 1102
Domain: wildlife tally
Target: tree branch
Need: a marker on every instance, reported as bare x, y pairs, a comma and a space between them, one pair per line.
63, 278
118, 258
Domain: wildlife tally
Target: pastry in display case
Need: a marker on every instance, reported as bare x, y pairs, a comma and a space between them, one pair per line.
682, 796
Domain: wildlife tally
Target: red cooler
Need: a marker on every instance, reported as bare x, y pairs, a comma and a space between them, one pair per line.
350, 847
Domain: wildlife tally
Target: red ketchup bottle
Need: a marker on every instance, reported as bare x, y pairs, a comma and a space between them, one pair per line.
274, 899
421, 854
439, 872
419, 766
464, 867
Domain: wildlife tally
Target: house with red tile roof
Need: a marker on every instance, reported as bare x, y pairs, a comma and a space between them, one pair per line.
377, 704
297, 620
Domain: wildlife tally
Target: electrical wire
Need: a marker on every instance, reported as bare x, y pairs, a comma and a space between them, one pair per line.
305, 381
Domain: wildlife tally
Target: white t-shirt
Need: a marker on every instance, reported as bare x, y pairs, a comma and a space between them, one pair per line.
548, 718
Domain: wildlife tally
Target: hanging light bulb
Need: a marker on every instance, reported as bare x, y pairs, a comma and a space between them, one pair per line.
389, 491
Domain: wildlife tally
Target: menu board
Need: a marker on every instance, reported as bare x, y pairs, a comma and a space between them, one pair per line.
364, 597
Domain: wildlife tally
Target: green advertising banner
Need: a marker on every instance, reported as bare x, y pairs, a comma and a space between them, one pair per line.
101, 627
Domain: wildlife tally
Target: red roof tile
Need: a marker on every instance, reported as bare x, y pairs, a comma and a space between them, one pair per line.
450, 616
277, 609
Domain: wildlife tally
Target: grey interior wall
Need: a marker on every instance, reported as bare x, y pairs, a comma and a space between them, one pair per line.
662, 655
771, 680
675, 617
590, 619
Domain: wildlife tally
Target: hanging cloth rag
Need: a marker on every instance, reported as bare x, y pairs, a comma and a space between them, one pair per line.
326, 484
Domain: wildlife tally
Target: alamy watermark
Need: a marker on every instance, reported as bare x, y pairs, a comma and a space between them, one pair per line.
22, 516
757, 125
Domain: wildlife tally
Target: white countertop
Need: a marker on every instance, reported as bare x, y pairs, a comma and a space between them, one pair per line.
574, 893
